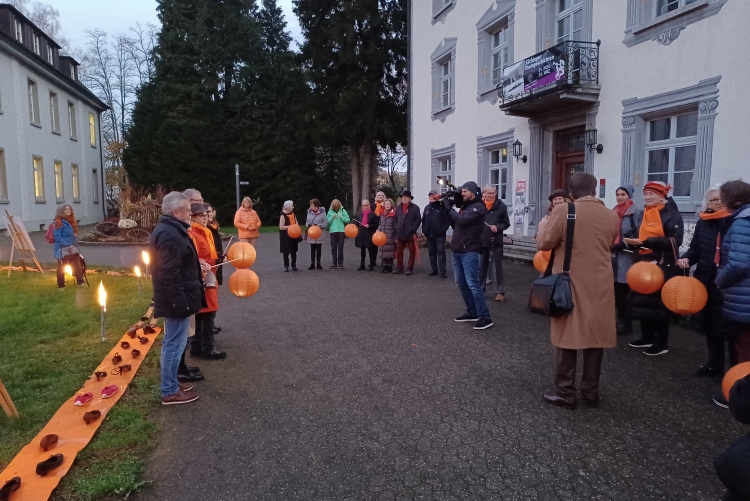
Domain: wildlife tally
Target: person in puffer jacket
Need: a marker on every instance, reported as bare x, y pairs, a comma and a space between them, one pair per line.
733, 275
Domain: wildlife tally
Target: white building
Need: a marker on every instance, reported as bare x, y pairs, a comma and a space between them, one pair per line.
663, 82
50, 141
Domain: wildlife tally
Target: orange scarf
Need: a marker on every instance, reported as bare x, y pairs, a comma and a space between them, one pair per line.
707, 216
651, 225
209, 239
70, 219
292, 219
488, 204
378, 209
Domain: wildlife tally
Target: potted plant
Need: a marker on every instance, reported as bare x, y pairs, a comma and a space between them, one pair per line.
125, 226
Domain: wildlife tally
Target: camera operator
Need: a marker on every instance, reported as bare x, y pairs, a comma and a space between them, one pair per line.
468, 224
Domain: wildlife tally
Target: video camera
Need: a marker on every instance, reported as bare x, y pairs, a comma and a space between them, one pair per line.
452, 194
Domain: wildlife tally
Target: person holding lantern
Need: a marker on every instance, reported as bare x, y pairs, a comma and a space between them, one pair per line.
660, 233
66, 252
408, 220
337, 220
202, 343
388, 226
316, 216
288, 246
622, 256
368, 223
247, 222
704, 253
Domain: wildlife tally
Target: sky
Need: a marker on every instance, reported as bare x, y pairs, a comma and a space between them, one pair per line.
117, 16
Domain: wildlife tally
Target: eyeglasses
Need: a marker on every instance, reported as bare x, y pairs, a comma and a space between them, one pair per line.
714, 200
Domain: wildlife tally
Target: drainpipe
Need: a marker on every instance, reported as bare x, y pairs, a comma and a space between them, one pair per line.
408, 94
103, 196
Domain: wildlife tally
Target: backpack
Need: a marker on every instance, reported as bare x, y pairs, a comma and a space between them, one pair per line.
50, 235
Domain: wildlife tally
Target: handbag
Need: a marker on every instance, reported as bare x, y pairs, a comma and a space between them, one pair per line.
70, 250
551, 295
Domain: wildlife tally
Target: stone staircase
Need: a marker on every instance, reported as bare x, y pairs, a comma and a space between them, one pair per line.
522, 249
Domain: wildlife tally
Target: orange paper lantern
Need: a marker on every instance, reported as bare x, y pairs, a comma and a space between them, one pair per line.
379, 238
294, 231
684, 295
645, 278
739, 371
244, 283
541, 260
241, 254
314, 232
351, 230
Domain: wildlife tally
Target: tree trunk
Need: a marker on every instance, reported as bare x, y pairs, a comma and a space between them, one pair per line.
356, 169
367, 148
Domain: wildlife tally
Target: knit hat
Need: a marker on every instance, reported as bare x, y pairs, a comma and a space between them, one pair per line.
657, 187
627, 188
472, 187
558, 193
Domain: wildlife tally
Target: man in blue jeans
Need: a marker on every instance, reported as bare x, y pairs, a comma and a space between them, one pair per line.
176, 274
466, 244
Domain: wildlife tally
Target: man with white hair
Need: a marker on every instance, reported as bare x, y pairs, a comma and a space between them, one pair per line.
176, 274
194, 195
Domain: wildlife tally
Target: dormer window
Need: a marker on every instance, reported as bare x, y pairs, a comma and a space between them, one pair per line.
37, 45
72, 72
51, 55
19, 31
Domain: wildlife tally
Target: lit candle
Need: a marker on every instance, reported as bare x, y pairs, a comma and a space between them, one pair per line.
103, 305
137, 271
68, 270
146, 260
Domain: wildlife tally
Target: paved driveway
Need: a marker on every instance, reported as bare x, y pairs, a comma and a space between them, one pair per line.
356, 385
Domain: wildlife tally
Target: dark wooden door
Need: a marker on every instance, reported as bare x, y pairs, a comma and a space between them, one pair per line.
570, 146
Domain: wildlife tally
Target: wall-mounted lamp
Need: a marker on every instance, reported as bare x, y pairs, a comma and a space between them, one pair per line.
518, 151
591, 141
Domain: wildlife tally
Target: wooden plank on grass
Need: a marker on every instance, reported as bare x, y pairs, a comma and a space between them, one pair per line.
6, 402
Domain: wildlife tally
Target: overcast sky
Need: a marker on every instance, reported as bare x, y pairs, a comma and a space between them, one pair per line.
116, 16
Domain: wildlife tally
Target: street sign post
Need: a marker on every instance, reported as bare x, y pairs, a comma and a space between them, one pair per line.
237, 182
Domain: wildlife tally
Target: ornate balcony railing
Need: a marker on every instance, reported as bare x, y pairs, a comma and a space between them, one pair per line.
567, 64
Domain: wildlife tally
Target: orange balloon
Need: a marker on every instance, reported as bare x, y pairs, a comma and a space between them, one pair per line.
739, 371
684, 295
541, 261
294, 231
379, 238
241, 254
244, 283
351, 230
645, 278
314, 232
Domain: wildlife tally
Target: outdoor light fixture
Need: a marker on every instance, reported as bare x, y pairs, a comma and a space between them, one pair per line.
518, 151
591, 141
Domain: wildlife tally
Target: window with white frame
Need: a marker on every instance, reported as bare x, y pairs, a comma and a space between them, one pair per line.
38, 166
569, 20
72, 120
671, 151
499, 171
33, 103
92, 130
446, 84
500, 52
72, 72
495, 48
54, 112
76, 182
3, 178
663, 20
51, 55
443, 79
95, 179
667, 6
19, 30
37, 45
445, 171
59, 190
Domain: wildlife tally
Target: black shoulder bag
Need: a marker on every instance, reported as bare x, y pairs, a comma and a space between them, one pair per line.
551, 296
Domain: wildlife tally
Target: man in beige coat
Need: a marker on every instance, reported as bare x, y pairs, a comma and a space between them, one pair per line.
591, 325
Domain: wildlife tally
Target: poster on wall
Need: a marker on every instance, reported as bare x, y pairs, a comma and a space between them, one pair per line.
540, 71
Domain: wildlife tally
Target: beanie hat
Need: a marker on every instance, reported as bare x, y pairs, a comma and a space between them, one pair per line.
628, 188
472, 187
657, 187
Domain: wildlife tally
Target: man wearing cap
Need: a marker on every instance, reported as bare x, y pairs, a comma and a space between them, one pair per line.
408, 219
434, 226
467, 246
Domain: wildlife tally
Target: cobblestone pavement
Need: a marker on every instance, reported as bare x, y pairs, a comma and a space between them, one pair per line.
352, 385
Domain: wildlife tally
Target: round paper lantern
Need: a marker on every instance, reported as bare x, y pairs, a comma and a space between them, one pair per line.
314, 232
244, 283
379, 238
294, 231
241, 254
541, 260
739, 371
684, 295
351, 230
645, 278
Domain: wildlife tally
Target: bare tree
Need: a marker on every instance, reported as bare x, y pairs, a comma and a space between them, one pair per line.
99, 77
392, 164
141, 51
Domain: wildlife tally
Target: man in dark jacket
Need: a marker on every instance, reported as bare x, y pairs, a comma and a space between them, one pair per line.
408, 220
466, 245
176, 274
434, 226
496, 221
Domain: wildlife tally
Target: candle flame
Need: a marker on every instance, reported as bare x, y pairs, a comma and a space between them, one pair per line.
102, 296
137, 271
68, 270
145, 257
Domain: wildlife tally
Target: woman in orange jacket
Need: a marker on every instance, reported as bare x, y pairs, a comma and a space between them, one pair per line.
247, 222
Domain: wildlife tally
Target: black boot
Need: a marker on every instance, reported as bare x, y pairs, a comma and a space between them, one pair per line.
319, 266
312, 266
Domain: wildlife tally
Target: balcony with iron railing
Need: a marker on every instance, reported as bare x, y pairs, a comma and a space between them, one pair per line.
565, 75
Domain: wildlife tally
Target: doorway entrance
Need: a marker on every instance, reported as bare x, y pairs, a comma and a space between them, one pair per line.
571, 152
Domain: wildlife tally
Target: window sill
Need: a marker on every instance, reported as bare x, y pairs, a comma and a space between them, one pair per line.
442, 9
60, 200
4, 201
37, 125
491, 95
40, 201
93, 146
56, 132
666, 28
76, 200
443, 114
74, 139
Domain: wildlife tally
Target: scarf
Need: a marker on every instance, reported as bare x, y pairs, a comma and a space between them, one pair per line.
405, 206
292, 219
378, 209
489, 204
620, 210
214, 226
651, 225
391, 213
709, 216
70, 219
365, 213
209, 239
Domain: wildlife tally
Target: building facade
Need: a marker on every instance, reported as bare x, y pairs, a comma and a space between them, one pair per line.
50, 134
628, 90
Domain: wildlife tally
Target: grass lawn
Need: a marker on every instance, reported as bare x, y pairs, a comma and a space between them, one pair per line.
49, 345
231, 230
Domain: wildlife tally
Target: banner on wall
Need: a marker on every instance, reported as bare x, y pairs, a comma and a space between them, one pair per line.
540, 71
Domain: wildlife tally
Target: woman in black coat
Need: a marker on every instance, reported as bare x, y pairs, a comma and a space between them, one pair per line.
704, 254
368, 223
660, 232
288, 246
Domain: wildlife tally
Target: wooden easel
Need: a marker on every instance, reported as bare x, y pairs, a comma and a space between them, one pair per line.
22, 242
6, 403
